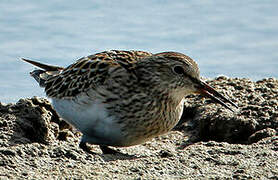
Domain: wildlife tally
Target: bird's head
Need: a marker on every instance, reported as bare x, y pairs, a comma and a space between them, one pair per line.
180, 75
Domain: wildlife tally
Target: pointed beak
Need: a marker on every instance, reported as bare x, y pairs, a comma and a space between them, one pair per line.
206, 90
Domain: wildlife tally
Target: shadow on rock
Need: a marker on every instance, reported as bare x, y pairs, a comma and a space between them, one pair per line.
256, 118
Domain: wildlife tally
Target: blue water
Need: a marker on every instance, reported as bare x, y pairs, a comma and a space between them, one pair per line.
235, 38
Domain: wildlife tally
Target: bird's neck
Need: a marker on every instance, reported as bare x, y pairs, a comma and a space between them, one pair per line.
170, 109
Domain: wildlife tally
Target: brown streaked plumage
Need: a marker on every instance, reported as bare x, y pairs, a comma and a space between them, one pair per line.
123, 98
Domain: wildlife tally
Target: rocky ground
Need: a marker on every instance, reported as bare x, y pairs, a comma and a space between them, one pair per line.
209, 142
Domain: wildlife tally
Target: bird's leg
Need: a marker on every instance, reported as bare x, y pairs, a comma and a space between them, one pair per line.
84, 147
107, 150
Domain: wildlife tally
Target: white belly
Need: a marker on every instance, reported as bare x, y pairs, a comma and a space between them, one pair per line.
92, 119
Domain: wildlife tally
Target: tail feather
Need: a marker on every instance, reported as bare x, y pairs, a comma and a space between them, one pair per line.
43, 66
42, 75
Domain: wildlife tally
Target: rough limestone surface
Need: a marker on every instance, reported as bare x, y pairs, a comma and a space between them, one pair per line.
209, 142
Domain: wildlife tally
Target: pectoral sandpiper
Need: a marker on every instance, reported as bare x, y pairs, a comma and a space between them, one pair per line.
123, 98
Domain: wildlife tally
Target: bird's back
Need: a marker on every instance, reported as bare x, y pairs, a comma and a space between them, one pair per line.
86, 73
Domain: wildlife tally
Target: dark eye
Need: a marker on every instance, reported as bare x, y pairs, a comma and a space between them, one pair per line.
178, 70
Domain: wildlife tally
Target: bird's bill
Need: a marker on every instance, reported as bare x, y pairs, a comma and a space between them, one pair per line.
206, 90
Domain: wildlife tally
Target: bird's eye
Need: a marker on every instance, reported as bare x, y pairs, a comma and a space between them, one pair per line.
178, 70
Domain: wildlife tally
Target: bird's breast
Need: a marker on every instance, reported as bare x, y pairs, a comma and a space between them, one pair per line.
152, 121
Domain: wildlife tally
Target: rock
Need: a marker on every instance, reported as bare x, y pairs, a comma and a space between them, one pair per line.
210, 142
258, 106
259, 135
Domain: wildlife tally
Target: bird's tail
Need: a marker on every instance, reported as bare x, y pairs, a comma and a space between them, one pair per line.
46, 71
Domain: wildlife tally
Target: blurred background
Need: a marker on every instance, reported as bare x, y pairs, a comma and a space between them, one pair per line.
233, 38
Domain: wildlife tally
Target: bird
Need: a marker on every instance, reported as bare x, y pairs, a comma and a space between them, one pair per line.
122, 98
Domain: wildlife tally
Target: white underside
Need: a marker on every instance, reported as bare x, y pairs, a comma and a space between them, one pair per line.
91, 118
180, 107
